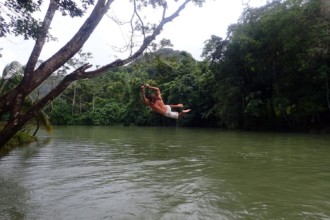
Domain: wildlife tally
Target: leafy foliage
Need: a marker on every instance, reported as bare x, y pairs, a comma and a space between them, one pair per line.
268, 71
16, 16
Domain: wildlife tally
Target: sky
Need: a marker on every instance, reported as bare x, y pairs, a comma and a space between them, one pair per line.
188, 32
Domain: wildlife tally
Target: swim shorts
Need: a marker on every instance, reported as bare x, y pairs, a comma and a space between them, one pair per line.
171, 114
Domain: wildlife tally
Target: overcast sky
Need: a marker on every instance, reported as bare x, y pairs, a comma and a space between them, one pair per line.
188, 32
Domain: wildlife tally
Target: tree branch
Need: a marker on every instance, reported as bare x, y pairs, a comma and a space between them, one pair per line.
30, 66
146, 42
75, 44
14, 125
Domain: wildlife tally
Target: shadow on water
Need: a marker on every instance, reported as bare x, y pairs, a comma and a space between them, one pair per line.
168, 173
28, 148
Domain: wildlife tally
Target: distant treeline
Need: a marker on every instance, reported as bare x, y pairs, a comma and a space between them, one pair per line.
271, 72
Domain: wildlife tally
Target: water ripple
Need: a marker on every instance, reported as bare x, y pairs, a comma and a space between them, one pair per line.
144, 173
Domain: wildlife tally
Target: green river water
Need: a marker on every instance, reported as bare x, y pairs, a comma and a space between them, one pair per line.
167, 173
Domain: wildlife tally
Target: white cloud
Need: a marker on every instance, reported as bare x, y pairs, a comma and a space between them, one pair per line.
187, 32
196, 25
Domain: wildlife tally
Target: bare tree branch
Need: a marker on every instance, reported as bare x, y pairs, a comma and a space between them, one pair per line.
146, 42
75, 44
30, 66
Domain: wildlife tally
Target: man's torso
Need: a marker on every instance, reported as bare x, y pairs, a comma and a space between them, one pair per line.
159, 106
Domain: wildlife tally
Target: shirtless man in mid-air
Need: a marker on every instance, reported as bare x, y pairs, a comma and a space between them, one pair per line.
156, 103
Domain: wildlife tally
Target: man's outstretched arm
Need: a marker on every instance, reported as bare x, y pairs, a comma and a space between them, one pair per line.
154, 88
145, 100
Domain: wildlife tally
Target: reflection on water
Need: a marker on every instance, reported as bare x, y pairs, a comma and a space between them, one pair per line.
167, 173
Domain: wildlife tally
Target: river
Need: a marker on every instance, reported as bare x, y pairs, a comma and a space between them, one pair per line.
167, 173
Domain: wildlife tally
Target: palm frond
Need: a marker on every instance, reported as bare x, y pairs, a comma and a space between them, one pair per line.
44, 121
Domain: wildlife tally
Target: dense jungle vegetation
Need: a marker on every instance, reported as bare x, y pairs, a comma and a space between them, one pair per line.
271, 72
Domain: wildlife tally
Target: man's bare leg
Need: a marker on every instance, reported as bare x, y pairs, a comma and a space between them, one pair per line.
176, 106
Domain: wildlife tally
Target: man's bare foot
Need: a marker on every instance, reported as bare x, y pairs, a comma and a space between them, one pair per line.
183, 112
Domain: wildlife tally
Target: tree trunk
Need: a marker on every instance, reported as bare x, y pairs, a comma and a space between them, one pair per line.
74, 97
15, 124
327, 90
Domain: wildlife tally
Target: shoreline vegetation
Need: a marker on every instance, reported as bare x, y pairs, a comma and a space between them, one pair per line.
23, 138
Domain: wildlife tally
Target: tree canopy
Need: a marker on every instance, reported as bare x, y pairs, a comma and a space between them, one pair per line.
273, 70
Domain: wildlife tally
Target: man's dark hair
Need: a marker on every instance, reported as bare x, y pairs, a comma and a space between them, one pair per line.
148, 95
